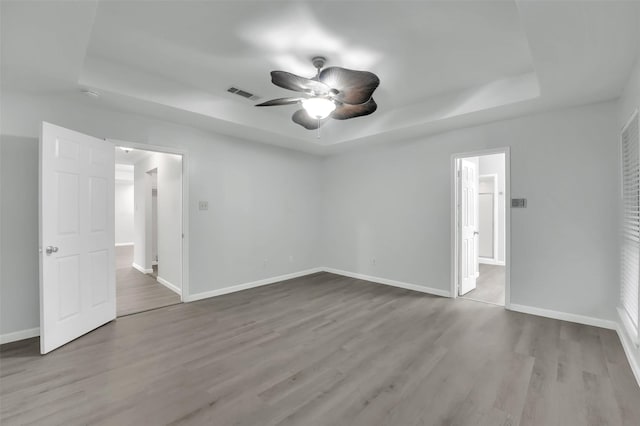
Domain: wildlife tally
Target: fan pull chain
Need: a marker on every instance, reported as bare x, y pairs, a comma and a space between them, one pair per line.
318, 137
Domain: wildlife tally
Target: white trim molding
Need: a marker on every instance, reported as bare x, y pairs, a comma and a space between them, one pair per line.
141, 269
246, 286
169, 285
394, 283
124, 244
630, 347
628, 327
272, 280
564, 316
19, 335
487, 261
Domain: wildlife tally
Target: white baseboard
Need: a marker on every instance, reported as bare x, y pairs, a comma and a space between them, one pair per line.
487, 261
141, 269
628, 327
631, 350
564, 316
124, 244
19, 335
246, 286
168, 285
386, 281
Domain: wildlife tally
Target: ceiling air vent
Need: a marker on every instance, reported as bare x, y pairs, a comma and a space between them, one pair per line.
243, 93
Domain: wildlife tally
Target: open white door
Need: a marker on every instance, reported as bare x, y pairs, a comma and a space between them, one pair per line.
77, 267
468, 211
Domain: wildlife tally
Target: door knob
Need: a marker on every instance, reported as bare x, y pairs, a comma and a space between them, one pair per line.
51, 249
475, 232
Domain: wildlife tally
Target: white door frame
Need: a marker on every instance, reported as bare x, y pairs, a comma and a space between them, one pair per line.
454, 214
185, 202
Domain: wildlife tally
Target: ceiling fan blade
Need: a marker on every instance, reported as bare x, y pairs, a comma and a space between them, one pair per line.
302, 118
281, 101
286, 80
346, 111
355, 87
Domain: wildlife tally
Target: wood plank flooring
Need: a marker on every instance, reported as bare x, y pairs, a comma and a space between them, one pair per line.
490, 285
324, 350
135, 291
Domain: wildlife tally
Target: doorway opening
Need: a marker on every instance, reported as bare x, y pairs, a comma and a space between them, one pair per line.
480, 226
148, 229
77, 229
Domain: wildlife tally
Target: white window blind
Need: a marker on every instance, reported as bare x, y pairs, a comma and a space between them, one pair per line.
630, 256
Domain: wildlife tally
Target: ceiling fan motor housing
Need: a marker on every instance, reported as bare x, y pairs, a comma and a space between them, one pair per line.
318, 61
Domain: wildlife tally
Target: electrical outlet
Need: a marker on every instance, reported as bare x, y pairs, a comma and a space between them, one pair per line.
264, 263
203, 205
291, 258
373, 261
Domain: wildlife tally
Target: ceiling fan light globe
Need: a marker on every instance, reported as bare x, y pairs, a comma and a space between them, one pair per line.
318, 108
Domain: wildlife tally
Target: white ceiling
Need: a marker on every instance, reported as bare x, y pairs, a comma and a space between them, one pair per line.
441, 64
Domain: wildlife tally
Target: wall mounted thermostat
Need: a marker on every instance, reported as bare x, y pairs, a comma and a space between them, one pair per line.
519, 203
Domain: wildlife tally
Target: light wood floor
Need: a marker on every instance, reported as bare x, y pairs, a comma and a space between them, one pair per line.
135, 291
490, 285
324, 350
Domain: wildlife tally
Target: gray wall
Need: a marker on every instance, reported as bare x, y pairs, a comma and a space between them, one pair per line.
19, 264
168, 232
393, 203
263, 200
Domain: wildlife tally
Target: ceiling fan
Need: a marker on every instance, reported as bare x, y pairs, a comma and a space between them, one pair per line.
334, 92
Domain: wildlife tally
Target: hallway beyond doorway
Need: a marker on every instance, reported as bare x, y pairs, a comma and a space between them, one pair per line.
135, 291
